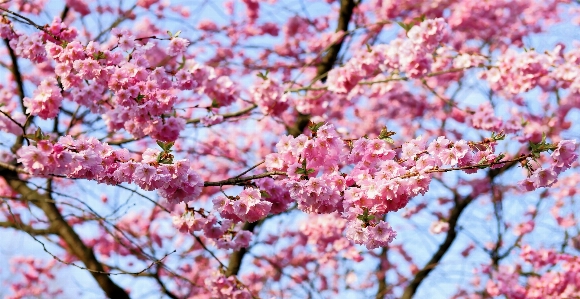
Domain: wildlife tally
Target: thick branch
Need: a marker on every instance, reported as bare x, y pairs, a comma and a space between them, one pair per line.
64, 12
382, 274
327, 62
74, 243
460, 205
243, 180
235, 261
443, 248
20, 87
345, 14
163, 287
227, 115
28, 229
16, 73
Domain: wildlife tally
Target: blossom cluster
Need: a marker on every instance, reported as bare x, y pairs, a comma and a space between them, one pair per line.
247, 206
379, 235
221, 286
521, 71
270, 97
46, 100
555, 275
217, 231
88, 158
562, 158
135, 79
364, 179
37, 278
143, 95
413, 56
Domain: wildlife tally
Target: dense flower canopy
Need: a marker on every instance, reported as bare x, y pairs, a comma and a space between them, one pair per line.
291, 149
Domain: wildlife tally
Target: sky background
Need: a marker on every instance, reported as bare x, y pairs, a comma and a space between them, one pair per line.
440, 284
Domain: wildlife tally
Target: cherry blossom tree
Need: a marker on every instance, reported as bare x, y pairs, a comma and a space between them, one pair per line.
291, 149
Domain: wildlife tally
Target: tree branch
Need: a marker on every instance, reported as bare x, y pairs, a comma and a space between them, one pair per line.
460, 205
20, 87
382, 274
64, 13
235, 261
163, 287
327, 62
74, 243
227, 115
443, 248
28, 229
242, 180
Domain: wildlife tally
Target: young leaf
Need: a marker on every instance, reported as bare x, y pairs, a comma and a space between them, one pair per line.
315, 126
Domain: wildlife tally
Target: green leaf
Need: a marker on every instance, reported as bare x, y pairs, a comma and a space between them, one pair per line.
543, 138
499, 136
161, 144
301, 171
182, 64
37, 135
99, 55
165, 146
315, 126
386, 135
543, 146
407, 27
139, 98
481, 162
524, 122
304, 170
403, 25
420, 18
264, 194
215, 104
263, 75
365, 217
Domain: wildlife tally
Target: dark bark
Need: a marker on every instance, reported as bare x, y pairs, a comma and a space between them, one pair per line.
327, 62
58, 225
382, 274
460, 205
235, 260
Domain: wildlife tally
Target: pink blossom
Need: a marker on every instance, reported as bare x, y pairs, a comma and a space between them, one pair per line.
448, 157
438, 145
46, 100
177, 46
250, 206
80, 6
565, 154
544, 177
429, 34
270, 97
